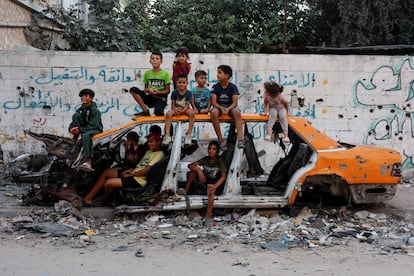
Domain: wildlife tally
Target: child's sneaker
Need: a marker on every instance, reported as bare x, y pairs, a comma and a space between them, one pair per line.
240, 144
187, 139
85, 167
267, 137
223, 145
286, 140
167, 140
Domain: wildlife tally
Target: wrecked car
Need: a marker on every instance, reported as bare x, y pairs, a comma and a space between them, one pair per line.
262, 175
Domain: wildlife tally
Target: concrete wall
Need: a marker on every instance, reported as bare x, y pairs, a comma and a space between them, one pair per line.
357, 99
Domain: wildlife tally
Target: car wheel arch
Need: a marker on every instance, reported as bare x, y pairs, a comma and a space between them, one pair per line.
333, 184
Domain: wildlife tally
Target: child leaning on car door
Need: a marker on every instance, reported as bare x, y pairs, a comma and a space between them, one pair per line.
275, 104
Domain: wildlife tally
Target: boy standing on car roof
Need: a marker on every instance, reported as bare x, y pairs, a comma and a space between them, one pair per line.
86, 121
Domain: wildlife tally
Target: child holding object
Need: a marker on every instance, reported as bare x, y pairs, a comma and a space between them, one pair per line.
275, 105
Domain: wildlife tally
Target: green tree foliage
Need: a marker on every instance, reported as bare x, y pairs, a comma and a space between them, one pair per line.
363, 22
228, 25
237, 26
108, 27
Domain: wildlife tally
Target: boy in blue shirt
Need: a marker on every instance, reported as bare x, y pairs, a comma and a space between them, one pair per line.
180, 105
224, 95
201, 94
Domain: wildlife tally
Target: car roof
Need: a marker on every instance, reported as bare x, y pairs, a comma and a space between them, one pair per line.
317, 139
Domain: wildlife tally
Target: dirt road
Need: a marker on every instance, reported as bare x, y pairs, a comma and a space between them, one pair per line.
178, 251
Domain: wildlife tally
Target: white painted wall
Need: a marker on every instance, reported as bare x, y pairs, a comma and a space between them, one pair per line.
357, 99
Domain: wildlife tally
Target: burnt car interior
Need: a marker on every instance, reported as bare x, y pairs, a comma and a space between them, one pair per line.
54, 170
296, 156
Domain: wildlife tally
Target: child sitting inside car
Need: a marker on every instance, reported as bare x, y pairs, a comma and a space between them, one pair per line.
211, 171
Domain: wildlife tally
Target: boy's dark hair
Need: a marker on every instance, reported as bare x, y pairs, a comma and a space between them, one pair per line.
182, 50
155, 129
215, 143
226, 69
87, 91
199, 73
157, 53
132, 135
182, 76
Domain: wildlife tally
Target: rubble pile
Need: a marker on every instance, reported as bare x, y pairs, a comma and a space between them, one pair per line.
261, 230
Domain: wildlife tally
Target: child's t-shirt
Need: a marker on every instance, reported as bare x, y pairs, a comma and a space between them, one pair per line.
157, 80
277, 102
225, 95
149, 159
201, 97
181, 100
178, 69
212, 171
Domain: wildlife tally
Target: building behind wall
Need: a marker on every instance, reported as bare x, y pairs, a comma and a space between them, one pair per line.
24, 23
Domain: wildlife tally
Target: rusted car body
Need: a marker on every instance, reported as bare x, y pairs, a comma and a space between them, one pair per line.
264, 174
360, 174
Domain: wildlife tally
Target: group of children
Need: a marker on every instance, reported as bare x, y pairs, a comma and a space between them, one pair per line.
221, 100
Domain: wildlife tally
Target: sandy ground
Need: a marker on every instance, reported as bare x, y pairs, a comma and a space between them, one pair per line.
35, 254
42, 257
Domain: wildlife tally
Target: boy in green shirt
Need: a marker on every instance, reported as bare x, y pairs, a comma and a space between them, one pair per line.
156, 88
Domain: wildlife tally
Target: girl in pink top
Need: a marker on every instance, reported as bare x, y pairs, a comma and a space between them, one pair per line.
276, 105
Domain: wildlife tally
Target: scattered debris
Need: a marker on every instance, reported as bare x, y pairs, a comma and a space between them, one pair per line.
275, 231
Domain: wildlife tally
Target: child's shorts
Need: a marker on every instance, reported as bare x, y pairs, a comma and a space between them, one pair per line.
130, 182
230, 112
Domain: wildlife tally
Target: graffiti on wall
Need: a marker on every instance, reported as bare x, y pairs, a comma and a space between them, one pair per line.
103, 74
389, 92
45, 91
